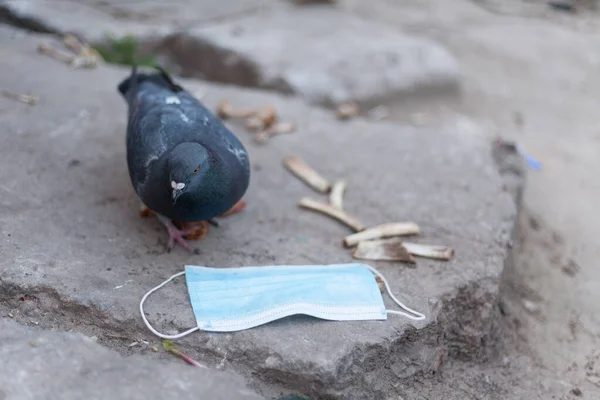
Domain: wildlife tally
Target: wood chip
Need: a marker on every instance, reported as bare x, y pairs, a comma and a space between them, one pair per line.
382, 231
274, 130
89, 59
302, 170
334, 213
346, 111
336, 197
23, 98
224, 111
429, 251
53, 52
382, 250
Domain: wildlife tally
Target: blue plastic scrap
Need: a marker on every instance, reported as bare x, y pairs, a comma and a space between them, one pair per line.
531, 161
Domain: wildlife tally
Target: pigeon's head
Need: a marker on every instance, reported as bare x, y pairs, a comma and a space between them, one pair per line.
188, 163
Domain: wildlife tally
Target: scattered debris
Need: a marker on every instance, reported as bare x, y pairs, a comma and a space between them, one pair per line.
10, 315
429, 251
23, 98
261, 121
275, 129
336, 197
226, 111
533, 163
382, 231
378, 113
394, 249
154, 349
378, 243
133, 344
94, 337
82, 50
327, 209
347, 110
302, 170
84, 56
382, 250
123, 285
170, 347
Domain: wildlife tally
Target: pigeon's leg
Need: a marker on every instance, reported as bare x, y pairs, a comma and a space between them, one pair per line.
175, 234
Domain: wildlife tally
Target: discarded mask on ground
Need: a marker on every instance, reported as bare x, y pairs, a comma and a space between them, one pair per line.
235, 299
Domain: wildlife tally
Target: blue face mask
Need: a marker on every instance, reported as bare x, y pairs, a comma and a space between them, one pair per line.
234, 299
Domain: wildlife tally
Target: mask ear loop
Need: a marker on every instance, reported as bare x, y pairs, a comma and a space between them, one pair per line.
418, 316
162, 335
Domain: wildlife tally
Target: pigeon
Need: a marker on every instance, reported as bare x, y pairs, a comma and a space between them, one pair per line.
184, 164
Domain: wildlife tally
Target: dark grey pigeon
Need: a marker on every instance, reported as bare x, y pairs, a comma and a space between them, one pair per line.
184, 164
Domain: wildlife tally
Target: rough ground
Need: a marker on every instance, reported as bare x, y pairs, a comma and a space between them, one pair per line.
107, 257
81, 368
527, 73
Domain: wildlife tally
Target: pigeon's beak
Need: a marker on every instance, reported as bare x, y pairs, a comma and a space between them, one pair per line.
175, 195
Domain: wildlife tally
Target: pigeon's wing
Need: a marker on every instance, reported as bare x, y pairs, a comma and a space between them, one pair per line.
145, 137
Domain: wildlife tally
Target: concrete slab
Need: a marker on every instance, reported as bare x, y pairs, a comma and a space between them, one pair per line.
71, 236
38, 364
316, 52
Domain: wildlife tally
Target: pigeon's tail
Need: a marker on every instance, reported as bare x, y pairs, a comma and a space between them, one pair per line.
129, 87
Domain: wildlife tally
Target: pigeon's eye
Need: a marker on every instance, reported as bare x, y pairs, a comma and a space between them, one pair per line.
196, 170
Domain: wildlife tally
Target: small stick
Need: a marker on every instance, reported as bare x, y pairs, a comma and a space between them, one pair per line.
73, 44
382, 250
336, 197
430, 251
347, 110
50, 51
224, 111
382, 231
326, 209
170, 347
23, 98
302, 170
276, 129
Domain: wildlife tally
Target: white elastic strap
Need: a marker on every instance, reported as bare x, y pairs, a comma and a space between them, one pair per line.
162, 335
418, 317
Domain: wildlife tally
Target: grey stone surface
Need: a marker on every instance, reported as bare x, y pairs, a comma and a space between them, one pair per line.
70, 233
321, 53
39, 365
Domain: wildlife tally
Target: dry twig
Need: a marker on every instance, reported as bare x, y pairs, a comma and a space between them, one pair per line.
347, 111
382, 231
170, 347
336, 197
23, 98
326, 209
307, 174
276, 129
429, 251
382, 250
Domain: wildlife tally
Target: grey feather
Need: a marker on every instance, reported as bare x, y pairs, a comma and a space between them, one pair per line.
170, 134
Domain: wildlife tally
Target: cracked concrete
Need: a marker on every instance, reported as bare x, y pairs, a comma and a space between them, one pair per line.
262, 44
72, 236
28, 355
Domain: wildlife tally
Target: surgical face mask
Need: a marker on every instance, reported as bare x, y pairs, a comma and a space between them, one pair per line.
234, 299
